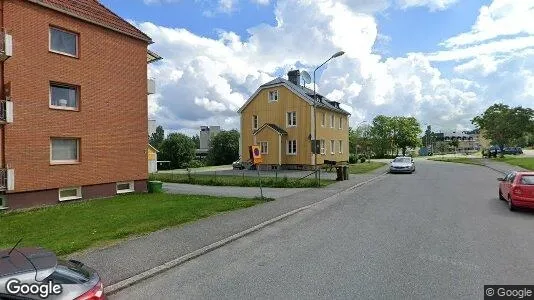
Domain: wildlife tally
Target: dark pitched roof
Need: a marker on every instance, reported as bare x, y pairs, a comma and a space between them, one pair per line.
307, 94
273, 127
94, 12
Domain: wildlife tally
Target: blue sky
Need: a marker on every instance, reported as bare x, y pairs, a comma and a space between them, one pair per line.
443, 61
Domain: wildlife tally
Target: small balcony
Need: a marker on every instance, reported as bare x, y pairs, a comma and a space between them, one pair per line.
151, 86
7, 180
6, 46
6, 111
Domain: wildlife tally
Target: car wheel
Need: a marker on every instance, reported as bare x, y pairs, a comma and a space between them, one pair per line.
511, 205
500, 196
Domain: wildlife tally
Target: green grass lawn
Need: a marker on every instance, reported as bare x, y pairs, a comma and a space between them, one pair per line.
70, 227
246, 181
523, 162
461, 160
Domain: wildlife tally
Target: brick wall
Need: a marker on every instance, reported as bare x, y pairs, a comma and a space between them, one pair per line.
112, 121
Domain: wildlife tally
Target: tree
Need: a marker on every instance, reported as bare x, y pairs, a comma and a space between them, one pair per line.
179, 149
196, 140
454, 143
406, 133
224, 148
157, 137
381, 135
503, 124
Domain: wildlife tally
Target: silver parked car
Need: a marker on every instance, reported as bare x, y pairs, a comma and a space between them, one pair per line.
36, 273
402, 164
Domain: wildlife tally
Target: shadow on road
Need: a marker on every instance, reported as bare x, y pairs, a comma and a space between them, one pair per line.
500, 207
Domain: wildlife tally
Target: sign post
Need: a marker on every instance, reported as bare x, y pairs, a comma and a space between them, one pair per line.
255, 157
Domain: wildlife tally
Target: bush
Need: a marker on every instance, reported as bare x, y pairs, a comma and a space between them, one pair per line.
352, 159
362, 159
196, 164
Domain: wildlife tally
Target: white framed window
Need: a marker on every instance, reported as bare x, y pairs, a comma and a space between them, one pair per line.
292, 118
64, 96
273, 96
63, 42
254, 122
3, 203
331, 120
340, 147
72, 193
323, 150
323, 122
292, 147
125, 187
340, 122
264, 147
332, 147
64, 150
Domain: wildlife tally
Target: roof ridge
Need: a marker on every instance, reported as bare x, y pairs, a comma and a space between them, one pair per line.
110, 11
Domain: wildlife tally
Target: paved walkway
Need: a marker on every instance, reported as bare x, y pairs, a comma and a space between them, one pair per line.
501, 166
135, 255
230, 191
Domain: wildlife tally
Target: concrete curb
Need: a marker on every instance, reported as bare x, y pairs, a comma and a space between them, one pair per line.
180, 260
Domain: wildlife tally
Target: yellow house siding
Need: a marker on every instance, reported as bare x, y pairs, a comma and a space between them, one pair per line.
151, 154
271, 137
327, 133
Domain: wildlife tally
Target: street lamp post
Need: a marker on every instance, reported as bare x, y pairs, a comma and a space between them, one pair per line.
337, 54
356, 144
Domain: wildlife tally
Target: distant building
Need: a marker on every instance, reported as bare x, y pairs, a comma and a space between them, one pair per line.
151, 127
206, 134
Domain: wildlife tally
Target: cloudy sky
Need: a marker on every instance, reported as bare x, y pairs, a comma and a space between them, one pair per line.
442, 61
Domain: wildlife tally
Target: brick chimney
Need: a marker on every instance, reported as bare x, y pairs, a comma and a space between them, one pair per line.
294, 76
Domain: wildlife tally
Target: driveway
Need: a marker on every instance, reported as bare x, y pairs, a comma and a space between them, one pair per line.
441, 233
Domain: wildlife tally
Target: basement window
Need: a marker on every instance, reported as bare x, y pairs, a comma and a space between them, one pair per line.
72, 193
3, 203
125, 187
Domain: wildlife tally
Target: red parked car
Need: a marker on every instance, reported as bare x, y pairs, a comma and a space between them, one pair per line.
518, 189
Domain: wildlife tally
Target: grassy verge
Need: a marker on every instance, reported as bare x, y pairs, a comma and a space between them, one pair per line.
71, 227
246, 181
523, 162
365, 167
461, 160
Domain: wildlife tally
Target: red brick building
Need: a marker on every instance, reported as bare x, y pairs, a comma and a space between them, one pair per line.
74, 109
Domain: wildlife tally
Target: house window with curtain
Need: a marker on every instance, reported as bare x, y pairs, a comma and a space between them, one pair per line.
64, 150
63, 42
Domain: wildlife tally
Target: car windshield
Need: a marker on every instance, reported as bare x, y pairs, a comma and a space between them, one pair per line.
402, 160
527, 179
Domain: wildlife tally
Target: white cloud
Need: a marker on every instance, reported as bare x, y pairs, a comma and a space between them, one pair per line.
203, 81
433, 5
500, 18
261, 2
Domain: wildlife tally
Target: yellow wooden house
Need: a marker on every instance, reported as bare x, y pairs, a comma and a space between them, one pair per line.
278, 118
152, 159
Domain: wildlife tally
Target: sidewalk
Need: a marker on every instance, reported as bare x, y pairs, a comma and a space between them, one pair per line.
133, 256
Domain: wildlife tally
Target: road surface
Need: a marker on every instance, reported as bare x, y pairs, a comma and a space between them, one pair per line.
440, 233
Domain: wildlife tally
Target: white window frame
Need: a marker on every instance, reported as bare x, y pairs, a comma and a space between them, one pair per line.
65, 162
255, 122
291, 119
78, 193
61, 52
289, 147
332, 120
131, 187
340, 147
332, 147
273, 96
65, 85
323, 123
266, 148
3, 203
341, 123
323, 148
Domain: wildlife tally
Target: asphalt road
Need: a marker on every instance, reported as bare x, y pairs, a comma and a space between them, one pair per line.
439, 233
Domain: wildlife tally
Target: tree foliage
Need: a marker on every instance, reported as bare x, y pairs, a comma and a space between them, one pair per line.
179, 149
391, 133
157, 137
224, 148
504, 125
196, 141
